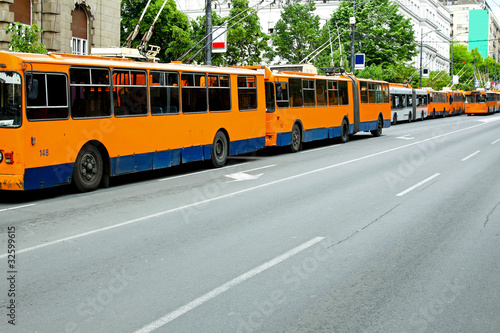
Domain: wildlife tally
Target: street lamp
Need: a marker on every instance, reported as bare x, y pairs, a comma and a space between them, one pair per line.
421, 42
352, 21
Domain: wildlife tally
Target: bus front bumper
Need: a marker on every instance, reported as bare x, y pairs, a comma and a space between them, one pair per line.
12, 182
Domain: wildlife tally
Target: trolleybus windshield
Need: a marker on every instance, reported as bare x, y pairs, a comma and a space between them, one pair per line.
10, 99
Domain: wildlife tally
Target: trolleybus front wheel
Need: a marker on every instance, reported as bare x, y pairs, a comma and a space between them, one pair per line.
88, 170
296, 142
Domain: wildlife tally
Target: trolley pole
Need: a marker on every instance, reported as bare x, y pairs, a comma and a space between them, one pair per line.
208, 32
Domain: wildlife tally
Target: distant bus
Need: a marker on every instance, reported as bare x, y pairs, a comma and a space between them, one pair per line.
408, 104
303, 107
475, 102
438, 104
83, 119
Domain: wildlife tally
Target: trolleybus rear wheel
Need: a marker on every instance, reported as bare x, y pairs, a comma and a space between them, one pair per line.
344, 132
378, 131
88, 170
219, 150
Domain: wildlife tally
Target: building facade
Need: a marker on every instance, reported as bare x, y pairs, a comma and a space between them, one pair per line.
475, 25
69, 26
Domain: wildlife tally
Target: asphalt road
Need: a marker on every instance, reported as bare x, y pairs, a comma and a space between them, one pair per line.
399, 233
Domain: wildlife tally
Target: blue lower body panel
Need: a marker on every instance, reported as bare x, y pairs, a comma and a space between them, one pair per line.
50, 176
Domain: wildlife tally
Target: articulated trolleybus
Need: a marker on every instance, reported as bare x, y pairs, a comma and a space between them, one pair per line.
408, 104
303, 107
82, 119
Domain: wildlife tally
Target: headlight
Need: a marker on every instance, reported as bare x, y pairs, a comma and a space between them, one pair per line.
1, 156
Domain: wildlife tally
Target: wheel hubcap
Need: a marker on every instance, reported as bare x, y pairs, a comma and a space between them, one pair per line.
89, 167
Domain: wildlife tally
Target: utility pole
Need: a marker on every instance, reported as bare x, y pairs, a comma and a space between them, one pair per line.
208, 32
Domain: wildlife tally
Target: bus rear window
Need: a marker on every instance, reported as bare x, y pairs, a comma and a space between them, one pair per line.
48, 96
10, 99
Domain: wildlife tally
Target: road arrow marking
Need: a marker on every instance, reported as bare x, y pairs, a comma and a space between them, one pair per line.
405, 137
239, 176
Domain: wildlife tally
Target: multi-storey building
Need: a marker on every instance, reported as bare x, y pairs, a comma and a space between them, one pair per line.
70, 26
475, 25
429, 18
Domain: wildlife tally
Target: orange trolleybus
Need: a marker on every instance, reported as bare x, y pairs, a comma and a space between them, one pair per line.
475, 102
303, 107
438, 104
82, 119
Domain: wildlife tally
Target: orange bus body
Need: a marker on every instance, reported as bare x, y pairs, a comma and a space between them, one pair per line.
475, 102
438, 104
44, 141
457, 102
303, 107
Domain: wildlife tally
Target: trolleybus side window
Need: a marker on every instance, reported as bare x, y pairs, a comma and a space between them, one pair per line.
321, 93
309, 92
194, 92
164, 92
247, 92
296, 98
89, 92
364, 91
270, 97
282, 100
372, 91
219, 92
10, 99
333, 92
130, 92
50, 100
343, 93
378, 93
385, 87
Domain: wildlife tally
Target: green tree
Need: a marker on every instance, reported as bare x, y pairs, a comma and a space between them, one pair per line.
246, 43
295, 35
171, 32
25, 38
382, 34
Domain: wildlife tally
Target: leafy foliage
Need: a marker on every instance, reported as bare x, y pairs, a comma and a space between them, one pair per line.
246, 43
25, 38
171, 32
295, 35
382, 34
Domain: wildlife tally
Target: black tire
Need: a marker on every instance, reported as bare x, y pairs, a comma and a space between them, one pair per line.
296, 140
219, 150
344, 132
395, 120
378, 131
434, 114
88, 169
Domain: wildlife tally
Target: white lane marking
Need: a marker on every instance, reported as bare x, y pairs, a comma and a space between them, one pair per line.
225, 287
204, 171
417, 185
264, 167
495, 141
194, 204
471, 155
17, 207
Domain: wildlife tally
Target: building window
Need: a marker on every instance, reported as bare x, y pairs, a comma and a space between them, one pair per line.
22, 11
79, 29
